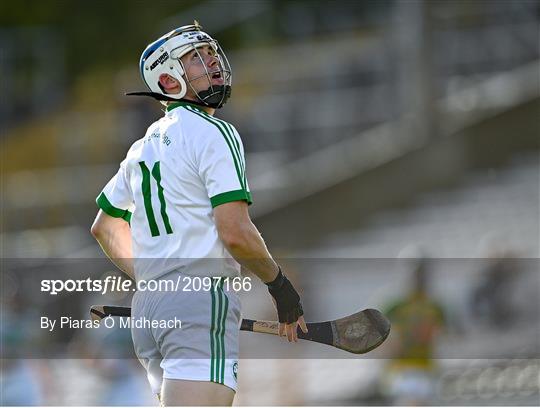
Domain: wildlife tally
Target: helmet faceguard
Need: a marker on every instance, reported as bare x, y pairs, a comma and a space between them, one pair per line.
164, 57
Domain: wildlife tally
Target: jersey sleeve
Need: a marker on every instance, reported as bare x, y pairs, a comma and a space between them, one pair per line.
116, 199
222, 166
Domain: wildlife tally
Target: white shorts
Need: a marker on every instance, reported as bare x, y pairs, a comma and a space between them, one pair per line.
204, 348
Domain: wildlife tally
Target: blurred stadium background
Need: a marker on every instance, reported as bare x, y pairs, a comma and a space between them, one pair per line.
391, 131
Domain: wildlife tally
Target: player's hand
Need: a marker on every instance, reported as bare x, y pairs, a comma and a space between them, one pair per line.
291, 330
288, 305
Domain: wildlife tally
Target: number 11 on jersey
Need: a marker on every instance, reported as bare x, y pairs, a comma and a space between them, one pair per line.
147, 196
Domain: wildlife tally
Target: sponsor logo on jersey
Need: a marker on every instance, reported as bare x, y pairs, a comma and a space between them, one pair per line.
166, 140
235, 370
162, 58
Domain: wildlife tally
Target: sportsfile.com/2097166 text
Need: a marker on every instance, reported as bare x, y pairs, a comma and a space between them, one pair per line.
118, 284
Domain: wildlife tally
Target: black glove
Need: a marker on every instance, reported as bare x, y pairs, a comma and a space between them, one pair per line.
287, 299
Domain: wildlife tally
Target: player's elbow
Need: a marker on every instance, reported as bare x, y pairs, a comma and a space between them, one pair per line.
96, 230
234, 227
104, 224
235, 240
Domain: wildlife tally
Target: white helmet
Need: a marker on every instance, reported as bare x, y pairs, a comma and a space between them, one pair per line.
163, 57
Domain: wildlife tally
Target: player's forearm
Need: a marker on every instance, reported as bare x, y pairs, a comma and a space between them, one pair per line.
116, 244
120, 254
247, 247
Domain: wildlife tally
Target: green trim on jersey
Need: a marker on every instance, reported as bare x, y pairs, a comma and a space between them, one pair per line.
242, 159
220, 306
175, 105
229, 196
227, 132
228, 139
111, 210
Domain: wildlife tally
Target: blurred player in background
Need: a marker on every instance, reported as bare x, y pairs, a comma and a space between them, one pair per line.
178, 207
417, 320
493, 301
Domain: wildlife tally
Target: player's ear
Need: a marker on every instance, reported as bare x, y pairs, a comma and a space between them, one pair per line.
168, 83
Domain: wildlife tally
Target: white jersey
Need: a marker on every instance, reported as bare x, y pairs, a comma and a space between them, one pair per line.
188, 163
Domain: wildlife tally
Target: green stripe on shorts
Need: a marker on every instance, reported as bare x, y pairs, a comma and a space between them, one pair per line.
212, 328
218, 336
224, 319
220, 306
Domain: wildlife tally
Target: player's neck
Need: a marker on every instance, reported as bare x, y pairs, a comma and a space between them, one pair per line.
208, 110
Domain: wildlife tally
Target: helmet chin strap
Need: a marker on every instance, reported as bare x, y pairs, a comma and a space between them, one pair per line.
155, 95
208, 98
161, 97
